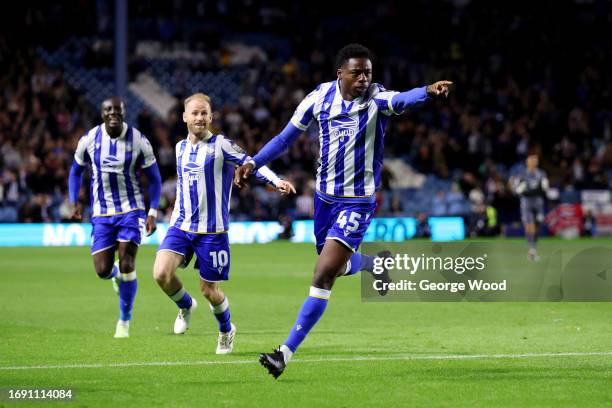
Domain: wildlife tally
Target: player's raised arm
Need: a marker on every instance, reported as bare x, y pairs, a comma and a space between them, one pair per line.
264, 173
391, 102
236, 155
301, 119
440, 88
274, 148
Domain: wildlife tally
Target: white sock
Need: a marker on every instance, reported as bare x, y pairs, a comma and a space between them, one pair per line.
287, 353
348, 267
127, 277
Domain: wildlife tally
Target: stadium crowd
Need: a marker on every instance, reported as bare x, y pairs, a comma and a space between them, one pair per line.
527, 86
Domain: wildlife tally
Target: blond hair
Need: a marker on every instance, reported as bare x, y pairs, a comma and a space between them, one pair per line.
200, 96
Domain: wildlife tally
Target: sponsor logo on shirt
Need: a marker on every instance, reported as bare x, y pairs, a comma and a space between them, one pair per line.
343, 127
193, 170
112, 164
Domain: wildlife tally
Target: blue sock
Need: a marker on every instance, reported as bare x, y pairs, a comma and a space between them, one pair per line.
222, 314
127, 291
309, 315
359, 262
182, 299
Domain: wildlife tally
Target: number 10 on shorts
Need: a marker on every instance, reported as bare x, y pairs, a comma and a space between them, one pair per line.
220, 259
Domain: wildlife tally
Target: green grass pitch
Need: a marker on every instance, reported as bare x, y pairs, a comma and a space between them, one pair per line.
58, 319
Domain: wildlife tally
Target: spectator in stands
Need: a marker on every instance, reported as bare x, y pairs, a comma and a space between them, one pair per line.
499, 111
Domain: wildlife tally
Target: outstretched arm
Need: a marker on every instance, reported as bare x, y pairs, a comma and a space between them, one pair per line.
235, 155
440, 88
152, 173
274, 148
74, 185
267, 175
301, 119
404, 100
277, 145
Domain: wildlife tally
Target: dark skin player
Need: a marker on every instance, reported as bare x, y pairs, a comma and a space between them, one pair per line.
354, 77
113, 113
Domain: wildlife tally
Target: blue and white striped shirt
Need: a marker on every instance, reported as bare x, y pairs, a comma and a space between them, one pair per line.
205, 173
351, 135
115, 184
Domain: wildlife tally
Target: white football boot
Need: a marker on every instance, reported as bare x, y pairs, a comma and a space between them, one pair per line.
122, 330
225, 341
181, 324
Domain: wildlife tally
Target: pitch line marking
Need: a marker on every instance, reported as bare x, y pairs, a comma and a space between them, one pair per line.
315, 360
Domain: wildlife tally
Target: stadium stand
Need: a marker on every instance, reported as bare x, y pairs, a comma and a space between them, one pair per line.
259, 59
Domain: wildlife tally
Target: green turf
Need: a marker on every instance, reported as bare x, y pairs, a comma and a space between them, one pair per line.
55, 312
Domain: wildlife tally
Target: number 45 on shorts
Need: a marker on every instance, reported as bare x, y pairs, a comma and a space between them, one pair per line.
349, 221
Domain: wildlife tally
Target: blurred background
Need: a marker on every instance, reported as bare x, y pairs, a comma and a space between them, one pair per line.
528, 77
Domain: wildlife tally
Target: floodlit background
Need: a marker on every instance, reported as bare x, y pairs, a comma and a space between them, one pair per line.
527, 77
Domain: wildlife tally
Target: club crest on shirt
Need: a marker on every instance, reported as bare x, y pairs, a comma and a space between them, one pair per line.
210, 150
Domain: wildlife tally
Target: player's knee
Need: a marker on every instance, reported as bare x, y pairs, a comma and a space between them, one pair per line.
208, 291
127, 265
160, 275
161, 272
104, 270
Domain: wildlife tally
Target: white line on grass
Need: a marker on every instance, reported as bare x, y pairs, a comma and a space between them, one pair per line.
317, 360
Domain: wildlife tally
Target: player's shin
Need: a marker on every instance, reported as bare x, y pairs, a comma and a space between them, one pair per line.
182, 298
222, 314
309, 315
127, 291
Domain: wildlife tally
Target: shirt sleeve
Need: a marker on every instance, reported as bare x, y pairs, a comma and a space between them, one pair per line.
148, 157
266, 175
233, 153
154, 178
81, 156
236, 155
74, 181
396, 103
277, 145
303, 115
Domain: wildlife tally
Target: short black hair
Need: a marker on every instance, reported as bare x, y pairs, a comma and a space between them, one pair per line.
352, 51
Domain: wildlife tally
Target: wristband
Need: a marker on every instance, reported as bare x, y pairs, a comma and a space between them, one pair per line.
152, 213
